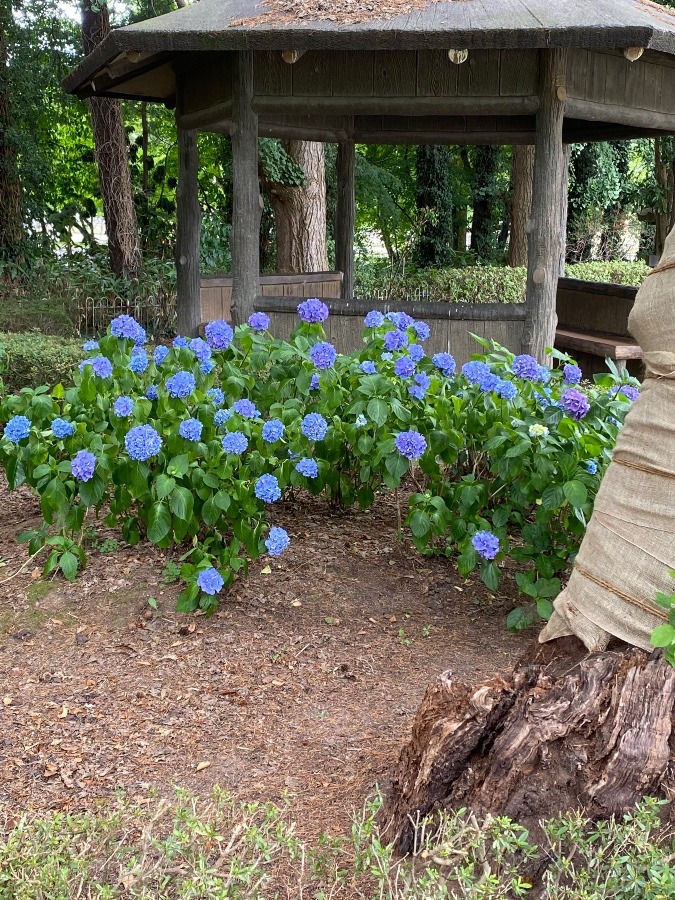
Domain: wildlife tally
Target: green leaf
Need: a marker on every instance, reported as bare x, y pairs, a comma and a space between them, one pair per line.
92, 492
210, 512
518, 450
544, 608
663, 636
396, 465
552, 497
159, 522
420, 523
181, 502
377, 410
53, 498
42, 471
489, 574
164, 485
188, 600
222, 500
575, 492
178, 466
68, 565
467, 561
519, 619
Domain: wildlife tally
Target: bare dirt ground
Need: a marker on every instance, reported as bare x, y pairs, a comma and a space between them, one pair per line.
303, 684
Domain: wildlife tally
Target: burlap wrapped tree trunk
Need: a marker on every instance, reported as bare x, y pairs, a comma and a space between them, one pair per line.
586, 719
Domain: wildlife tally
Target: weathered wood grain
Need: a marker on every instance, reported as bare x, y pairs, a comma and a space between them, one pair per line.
188, 222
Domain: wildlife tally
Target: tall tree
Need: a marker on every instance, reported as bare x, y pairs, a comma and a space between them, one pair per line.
521, 202
11, 210
112, 157
433, 198
485, 193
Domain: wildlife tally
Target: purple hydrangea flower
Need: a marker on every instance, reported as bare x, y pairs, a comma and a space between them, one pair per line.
181, 385
123, 407
421, 386
526, 366
411, 444
544, 374
591, 466
422, 330
314, 427
152, 392
314, 383
234, 442
259, 321
62, 429
571, 373
200, 349
160, 354
246, 409
404, 367
629, 391
273, 431
127, 327
445, 362
323, 355
222, 416
475, 371
395, 340
17, 429
267, 488
210, 581
575, 403
368, 366
216, 396
142, 442
277, 541
313, 310
139, 361
486, 544
190, 429
307, 467
506, 389
219, 334
180, 342
374, 319
82, 465
416, 351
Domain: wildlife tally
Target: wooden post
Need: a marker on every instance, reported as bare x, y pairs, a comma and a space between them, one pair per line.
544, 238
188, 215
246, 191
345, 216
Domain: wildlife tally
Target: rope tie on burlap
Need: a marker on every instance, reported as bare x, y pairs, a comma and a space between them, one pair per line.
633, 601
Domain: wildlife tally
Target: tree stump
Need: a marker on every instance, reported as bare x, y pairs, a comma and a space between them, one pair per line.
565, 730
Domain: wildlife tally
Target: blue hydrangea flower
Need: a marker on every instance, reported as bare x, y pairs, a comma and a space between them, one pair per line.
307, 467
422, 330
368, 366
591, 466
267, 488
374, 319
445, 362
575, 403
404, 367
152, 392
181, 385
180, 341
160, 354
277, 541
142, 442
216, 396
82, 465
506, 389
629, 391
200, 349
475, 371
313, 310
544, 374
421, 386
210, 581
90, 345
259, 321
315, 383
273, 431
127, 327
525, 366
314, 427
222, 416
486, 544
219, 334
489, 382
387, 356
411, 444
571, 373
101, 365
123, 407
401, 320
395, 340
613, 421
190, 429
207, 366
416, 351
139, 361
17, 429
323, 355
361, 421
246, 409
234, 442
62, 429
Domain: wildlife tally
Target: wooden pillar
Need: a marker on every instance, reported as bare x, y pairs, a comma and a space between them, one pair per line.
545, 237
246, 191
188, 216
345, 216
567, 151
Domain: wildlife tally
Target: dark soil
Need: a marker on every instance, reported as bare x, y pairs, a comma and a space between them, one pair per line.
305, 682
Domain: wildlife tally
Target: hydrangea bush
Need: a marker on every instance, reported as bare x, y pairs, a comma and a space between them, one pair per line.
191, 445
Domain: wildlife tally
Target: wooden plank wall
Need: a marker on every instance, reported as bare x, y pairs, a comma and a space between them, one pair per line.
593, 306
216, 290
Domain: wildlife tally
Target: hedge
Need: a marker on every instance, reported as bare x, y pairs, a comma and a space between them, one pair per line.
32, 358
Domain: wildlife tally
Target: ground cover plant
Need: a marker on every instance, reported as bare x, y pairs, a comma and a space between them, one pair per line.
189, 445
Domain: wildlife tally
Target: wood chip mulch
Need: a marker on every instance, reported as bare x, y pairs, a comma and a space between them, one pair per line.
343, 12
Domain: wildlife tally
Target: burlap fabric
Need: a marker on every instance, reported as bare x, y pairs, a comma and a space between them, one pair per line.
629, 545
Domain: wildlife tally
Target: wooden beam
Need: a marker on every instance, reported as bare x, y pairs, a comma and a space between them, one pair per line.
188, 215
345, 216
592, 111
246, 192
544, 239
396, 106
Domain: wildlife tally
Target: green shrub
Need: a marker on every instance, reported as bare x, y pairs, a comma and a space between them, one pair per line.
33, 358
612, 271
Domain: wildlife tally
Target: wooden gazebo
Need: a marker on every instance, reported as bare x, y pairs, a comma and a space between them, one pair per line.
477, 71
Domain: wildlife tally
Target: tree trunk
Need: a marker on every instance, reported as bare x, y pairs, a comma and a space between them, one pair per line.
521, 202
345, 216
433, 198
11, 207
112, 158
188, 221
485, 196
566, 729
300, 212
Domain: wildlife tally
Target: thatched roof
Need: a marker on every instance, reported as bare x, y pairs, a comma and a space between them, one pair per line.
216, 25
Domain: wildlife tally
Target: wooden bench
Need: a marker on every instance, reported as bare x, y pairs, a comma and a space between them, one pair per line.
613, 346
